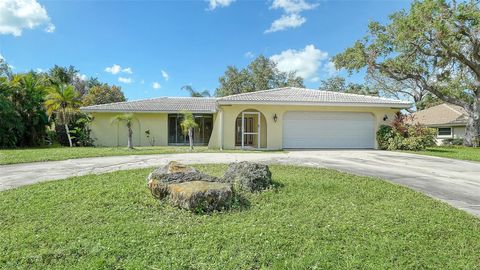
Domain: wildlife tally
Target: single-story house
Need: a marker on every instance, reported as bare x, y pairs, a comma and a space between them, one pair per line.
270, 119
449, 120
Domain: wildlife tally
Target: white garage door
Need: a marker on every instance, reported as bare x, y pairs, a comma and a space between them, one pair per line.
328, 130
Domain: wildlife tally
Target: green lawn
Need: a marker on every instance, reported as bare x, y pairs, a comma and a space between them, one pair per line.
11, 156
313, 219
456, 152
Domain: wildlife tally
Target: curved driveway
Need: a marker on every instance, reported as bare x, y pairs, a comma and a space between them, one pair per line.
453, 181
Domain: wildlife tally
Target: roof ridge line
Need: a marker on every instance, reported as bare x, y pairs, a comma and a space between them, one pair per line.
259, 91
452, 109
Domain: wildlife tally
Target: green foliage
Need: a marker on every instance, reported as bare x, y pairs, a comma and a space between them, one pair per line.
403, 136
384, 133
451, 141
101, 94
338, 84
23, 119
261, 74
316, 219
188, 122
435, 45
127, 119
80, 130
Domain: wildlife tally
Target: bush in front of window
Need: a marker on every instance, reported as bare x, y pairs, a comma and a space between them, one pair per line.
403, 136
451, 141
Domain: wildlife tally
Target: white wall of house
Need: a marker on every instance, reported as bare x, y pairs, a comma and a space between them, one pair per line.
458, 132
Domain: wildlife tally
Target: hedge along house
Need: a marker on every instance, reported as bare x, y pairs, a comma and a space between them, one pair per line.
270, 119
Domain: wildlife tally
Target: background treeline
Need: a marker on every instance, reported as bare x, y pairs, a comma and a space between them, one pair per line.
38, 108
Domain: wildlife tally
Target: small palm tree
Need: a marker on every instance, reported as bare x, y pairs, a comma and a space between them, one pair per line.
63, 101
128, 119
188, 124
194, 93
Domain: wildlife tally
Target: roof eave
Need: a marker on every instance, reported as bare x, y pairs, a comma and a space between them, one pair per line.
146, 111
325, 104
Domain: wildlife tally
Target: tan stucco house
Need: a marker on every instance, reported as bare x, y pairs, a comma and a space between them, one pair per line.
270, 119
449, 120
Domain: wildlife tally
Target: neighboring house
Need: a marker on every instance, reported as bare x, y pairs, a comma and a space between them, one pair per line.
449, 121
270, 119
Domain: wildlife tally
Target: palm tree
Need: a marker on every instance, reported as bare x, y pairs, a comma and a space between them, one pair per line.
126, 118
188, 124
194, 93
62, 100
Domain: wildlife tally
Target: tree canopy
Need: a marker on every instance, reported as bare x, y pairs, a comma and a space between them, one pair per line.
261, 74
101, 94
339, 84
435, 45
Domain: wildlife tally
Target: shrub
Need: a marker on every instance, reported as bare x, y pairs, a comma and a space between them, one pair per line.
404, 136
384, 134
451, 141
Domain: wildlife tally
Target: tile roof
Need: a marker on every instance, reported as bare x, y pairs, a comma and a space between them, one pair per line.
162, 104
441, 115
292, 95
288, 95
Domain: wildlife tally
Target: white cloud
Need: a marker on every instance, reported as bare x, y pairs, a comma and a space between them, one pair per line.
115, 69
165, 75
156, 85
1, 57
305, 62
213, 4
292, 6
82, 77
330, 68
125, 80
286, 21
17, 15
249, 55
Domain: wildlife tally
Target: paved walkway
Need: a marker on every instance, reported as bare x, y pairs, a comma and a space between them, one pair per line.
453, 181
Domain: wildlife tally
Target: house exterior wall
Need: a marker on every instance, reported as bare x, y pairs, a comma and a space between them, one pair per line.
458, 132
225, 123
106, 133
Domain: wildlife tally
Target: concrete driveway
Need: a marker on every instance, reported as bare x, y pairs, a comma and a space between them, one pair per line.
453, 181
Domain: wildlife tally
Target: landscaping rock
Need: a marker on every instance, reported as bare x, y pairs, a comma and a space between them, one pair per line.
174, 173
248, 176
200, 196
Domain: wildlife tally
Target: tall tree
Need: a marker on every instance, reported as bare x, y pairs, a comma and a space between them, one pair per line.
188, 124
28, 98
195, 93
261, 74
127, 119
103, 94
339, 84
405, 90
62, 101
436, 44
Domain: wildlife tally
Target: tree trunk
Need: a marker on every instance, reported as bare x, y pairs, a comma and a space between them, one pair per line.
190, 137
472, 132
130, 134
68, 135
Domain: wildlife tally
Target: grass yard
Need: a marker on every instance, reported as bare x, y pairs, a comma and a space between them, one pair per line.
314, 219
456, 152
12, 156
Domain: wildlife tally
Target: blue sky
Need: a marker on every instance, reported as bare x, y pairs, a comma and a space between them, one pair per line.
192, 42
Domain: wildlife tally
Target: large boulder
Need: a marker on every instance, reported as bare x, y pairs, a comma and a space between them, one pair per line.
174, 173
200, 196
248, 176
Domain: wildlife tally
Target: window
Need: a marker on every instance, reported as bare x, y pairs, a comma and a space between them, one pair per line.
201, 134
444, 131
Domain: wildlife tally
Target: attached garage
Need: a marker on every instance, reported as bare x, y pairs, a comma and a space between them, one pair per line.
328, 130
